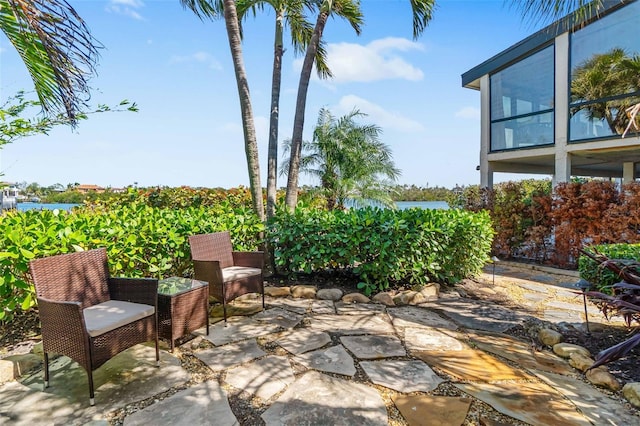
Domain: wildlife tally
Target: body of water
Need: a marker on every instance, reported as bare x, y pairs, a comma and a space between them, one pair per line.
403, 205
49, 206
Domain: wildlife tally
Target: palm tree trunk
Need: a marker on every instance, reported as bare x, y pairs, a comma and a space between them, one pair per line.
272, 160
248, 125
301, 103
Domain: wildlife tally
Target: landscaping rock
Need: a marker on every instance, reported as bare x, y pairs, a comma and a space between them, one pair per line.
579, 361
329, 294
631, 391
404, 297
303, 291
385, 298
566, 349
549, 337
418, 299
15, 366
355, 298
601, 377
431, 291
277, 291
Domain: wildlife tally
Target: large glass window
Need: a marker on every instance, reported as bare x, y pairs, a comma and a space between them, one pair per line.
522, 103
605, 64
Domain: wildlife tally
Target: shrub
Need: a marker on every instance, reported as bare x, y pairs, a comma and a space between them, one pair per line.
602, 277
381, 246
181, 197
140, 241
533, 222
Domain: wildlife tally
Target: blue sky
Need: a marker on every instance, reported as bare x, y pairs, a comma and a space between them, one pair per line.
188, 132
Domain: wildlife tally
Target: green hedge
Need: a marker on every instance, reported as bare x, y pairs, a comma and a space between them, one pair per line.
383, 247
140, 241
603, 278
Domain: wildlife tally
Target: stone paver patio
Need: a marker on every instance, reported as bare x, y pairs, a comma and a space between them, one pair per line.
332, 361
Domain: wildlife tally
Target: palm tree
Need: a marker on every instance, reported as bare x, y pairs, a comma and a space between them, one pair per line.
349, 160
287, 13
212, 9
350, 10
56, 47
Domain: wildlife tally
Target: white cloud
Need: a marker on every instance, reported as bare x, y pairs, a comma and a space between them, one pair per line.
378, 60
199, 57
378, 115
469, 113
126, 7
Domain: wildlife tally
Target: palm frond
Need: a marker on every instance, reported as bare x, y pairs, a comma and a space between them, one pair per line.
422, 14
551, 10
616, 352
206, 9
57, 48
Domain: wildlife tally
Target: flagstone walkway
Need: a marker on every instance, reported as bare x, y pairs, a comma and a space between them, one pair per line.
339, 364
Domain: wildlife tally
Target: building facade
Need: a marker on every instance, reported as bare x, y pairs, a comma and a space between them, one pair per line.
559, 102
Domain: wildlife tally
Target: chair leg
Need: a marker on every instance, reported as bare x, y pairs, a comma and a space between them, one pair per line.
92, 399
158, 352
206, 312
157, 344
224, 303
46, 370
263, 307
224, 311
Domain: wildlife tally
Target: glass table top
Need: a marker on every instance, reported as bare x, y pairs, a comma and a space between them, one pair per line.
176, 285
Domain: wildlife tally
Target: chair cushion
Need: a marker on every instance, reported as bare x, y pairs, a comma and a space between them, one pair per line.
234, 273
112, 314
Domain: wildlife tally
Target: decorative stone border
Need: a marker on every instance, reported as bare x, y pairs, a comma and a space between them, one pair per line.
427, 293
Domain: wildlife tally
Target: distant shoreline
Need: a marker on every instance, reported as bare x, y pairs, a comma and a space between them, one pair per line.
402, 205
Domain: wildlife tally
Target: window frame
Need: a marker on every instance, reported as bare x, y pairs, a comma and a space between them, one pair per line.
548, 45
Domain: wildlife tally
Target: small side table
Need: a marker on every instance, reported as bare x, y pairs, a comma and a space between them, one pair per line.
183, 306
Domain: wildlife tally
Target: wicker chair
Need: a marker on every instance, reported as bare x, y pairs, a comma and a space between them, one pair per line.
229, 273
88, 315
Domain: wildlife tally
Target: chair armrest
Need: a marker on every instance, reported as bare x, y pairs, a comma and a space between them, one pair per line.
252, 259
207, 270
62, 325
135, 290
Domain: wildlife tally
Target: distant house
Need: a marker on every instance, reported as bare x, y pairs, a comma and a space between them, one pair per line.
9, 195
557, 102
88, 188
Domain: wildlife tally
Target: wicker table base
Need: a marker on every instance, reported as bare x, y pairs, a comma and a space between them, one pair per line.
183, 306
